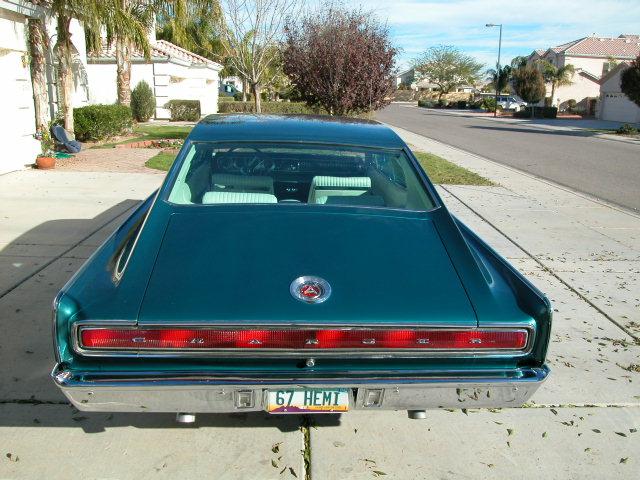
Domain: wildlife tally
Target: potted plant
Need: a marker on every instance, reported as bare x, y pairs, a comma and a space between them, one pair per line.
46, 159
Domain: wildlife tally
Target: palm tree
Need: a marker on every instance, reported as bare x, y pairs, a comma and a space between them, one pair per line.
128, 29
500, 78
556, 76
193, 26
189, 23
94, 15
89, 12
38, 46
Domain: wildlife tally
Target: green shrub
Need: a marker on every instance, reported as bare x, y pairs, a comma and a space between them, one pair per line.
267, 107
539, 112
143, 102
97, 122
425, 103
462, 104
184, 110
627, 129
489, 104
571, 105
226, 98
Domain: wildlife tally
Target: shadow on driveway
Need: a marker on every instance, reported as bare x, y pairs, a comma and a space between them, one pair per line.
28, 396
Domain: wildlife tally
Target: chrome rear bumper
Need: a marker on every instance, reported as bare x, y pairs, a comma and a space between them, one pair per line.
118, 392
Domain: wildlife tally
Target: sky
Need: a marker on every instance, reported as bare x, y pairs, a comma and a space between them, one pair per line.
416, 25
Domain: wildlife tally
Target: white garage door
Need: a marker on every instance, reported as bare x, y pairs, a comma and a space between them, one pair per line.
617, 107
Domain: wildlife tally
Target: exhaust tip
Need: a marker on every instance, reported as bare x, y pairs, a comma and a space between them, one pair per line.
182, 417
417, 414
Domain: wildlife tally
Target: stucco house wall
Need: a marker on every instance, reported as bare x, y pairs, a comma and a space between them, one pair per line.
615, 105
102, 78
589, 56
17, 122
172, 73
583, 88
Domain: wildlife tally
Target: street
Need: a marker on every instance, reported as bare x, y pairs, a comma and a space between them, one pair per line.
609, 170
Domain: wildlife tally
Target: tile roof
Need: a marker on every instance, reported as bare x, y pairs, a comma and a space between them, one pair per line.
160, 49
625, 46
565, 46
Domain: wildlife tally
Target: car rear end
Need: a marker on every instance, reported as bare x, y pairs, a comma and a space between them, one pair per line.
294, 280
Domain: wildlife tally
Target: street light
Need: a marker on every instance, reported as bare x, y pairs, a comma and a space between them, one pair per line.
488, 25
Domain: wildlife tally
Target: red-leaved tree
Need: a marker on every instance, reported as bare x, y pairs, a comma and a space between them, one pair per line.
341, 60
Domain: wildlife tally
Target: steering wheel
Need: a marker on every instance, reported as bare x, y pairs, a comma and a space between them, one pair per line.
249, 167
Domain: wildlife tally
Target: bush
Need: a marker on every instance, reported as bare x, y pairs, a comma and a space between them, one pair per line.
226, 98
143, 102
540, 112
571, 105
443, 103
489, 104
184, 110
627, 129
462, 104
528, 84
425, 103
267, 107
97, 122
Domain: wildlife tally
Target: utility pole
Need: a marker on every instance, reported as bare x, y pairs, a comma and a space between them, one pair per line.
495, 112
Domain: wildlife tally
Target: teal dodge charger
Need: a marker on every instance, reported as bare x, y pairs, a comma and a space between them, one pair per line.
297, 264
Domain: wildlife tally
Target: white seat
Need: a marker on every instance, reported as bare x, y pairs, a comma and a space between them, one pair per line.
238, 197
223, 182
327, 186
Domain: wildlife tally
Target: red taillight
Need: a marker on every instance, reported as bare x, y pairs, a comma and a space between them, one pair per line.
297, 339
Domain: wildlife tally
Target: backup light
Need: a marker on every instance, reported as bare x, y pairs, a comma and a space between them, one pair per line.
172, 339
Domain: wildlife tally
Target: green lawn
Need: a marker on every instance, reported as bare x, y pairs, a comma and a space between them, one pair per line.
152, 132
445, 172
161, 161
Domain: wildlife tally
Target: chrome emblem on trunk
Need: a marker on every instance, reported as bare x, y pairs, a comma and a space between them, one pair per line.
310, 289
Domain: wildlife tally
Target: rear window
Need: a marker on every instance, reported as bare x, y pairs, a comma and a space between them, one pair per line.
213, 173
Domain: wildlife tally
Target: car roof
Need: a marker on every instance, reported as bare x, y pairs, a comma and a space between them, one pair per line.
295, 128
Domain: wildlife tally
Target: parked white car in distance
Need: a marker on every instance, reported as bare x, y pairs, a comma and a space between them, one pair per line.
511, 102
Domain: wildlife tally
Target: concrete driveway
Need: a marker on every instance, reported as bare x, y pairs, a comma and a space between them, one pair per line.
583, 423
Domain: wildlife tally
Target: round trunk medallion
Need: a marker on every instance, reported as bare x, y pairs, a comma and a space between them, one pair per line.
310, 289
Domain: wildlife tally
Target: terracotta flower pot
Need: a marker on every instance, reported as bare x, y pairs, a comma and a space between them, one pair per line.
45, 163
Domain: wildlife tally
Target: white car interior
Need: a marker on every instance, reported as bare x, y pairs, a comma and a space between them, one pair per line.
211, 174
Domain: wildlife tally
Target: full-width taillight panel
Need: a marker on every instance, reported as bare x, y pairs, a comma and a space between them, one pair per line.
172, 339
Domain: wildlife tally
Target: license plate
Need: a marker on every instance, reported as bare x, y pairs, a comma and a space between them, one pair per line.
308, 400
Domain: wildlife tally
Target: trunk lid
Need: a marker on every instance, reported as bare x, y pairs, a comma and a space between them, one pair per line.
236, 267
